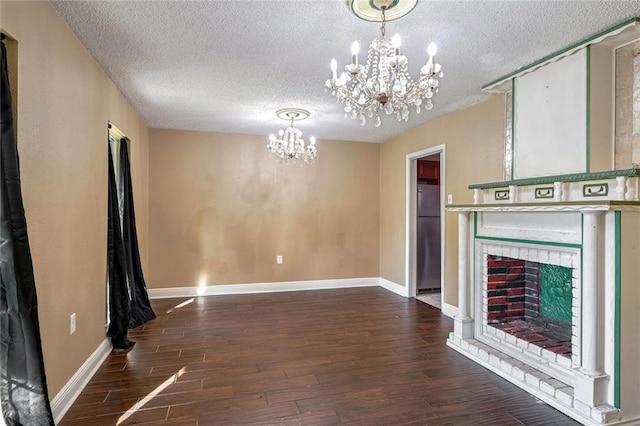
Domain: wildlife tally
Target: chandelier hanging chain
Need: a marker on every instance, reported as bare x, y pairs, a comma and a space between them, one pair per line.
383, 82
384, 20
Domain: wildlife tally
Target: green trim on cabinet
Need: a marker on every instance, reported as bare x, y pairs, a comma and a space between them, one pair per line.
560, 52
617, 313
588, 118
521, 241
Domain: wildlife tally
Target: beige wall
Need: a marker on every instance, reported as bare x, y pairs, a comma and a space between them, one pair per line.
474, 140
64, 102
222, 208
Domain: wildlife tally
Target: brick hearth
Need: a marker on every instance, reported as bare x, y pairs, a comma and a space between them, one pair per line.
513, 305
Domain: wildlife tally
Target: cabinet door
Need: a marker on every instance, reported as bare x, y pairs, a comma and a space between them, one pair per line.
429, 170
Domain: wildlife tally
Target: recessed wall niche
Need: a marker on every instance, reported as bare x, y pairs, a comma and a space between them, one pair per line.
627, 114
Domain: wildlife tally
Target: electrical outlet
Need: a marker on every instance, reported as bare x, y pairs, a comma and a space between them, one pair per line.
72, 323
279, 259
449, 198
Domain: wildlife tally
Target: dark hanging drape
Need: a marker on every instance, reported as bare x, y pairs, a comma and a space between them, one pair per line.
128, 298
140, 309
118, 291
23, 384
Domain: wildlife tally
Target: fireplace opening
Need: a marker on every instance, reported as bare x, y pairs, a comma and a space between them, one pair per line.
531, 301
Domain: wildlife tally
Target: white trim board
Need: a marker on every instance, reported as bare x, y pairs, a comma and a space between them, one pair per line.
61, 403
69, 393
163, 293
449, 310
393, 287
212, 290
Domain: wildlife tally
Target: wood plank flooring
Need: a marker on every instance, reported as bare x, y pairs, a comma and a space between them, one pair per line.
361, 356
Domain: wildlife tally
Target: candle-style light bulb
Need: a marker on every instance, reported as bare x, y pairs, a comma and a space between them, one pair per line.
432, 49
334, 67
312, 141
355, 49
395, 42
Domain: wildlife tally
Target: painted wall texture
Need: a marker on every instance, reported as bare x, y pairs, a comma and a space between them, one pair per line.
222, 207
64, 102
474, 140
211, 208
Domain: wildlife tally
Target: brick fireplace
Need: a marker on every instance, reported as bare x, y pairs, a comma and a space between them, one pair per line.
540, 302
530, 301
548, 294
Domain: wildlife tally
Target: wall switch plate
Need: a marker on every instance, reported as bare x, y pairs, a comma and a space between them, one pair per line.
449, 198
279, 260
72, 323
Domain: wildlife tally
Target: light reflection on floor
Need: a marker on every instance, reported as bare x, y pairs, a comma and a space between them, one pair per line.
180, 305
138, 405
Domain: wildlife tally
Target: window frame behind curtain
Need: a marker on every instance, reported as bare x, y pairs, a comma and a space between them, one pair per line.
114, 136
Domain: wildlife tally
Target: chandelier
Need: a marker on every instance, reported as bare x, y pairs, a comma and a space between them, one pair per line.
289, 144
383, 83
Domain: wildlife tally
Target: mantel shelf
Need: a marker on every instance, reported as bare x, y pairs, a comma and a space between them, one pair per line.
547, 207
575, 177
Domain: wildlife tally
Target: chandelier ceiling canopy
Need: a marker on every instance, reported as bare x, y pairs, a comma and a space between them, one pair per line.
289, 145
371, 10
383, 82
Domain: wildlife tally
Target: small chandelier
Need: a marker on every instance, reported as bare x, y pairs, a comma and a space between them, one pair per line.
383, 83
289, 144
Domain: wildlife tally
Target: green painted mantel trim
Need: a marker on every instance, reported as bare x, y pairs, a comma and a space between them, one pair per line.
493, 86
575, 177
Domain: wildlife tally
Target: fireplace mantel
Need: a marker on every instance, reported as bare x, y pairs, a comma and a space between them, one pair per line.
597, 239
562, 206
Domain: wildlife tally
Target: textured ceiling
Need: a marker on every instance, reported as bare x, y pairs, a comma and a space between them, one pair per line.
228, 65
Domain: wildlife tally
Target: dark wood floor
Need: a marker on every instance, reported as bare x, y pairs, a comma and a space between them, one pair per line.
354, 356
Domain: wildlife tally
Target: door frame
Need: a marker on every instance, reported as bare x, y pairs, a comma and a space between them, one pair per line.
412, 221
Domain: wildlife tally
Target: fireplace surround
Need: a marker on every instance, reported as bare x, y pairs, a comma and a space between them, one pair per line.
571, 354
569, 120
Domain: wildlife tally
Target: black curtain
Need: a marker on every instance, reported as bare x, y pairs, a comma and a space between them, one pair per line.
140, 309
23, 384
129, 301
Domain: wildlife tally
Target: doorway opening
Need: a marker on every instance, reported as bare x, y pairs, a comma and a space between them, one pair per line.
425, 231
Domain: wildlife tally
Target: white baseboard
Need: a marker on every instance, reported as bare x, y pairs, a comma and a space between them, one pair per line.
449, 310
393, 287
61, 403
212, 290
